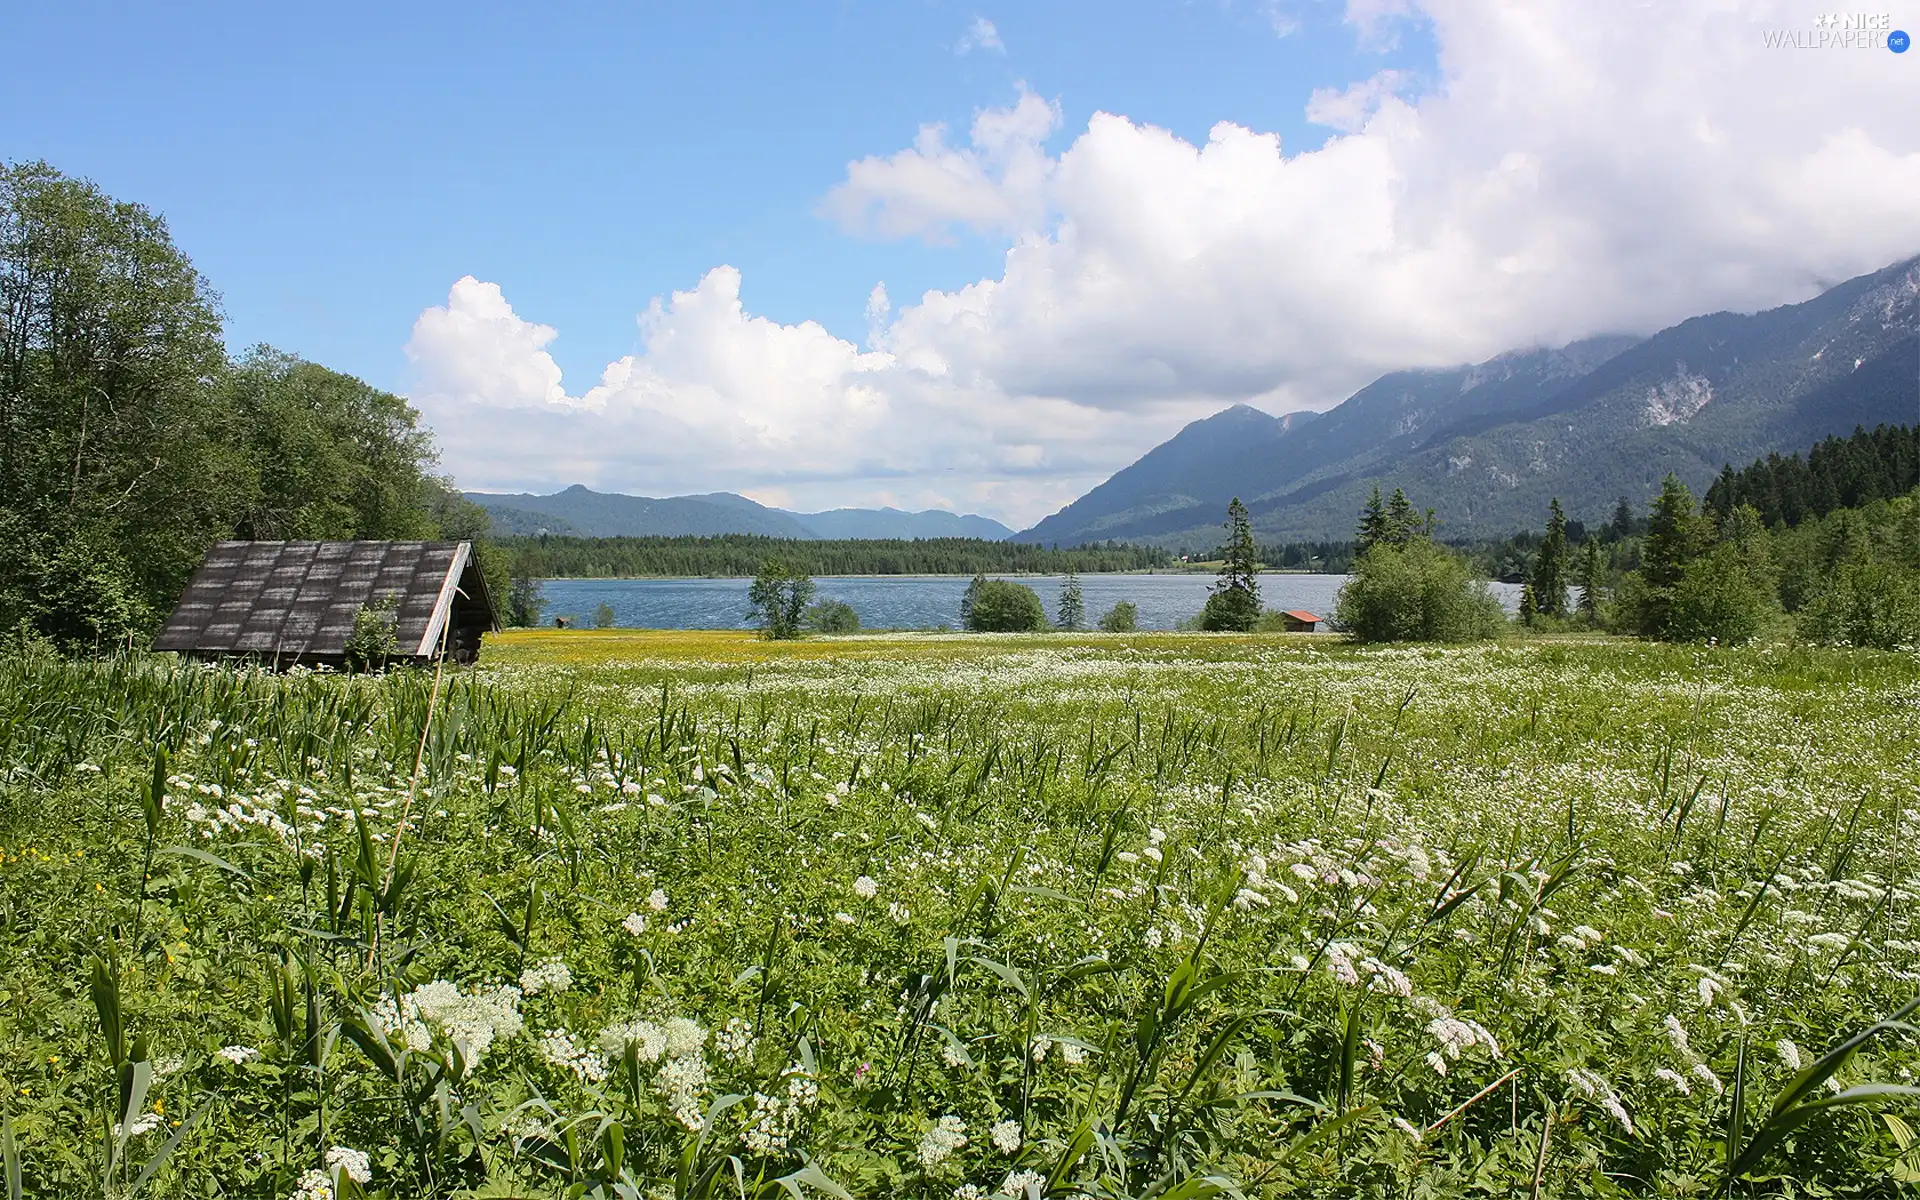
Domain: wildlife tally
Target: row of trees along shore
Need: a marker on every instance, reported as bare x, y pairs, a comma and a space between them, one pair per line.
130, 441
550, 556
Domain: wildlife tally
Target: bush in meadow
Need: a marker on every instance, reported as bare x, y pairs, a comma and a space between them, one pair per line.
833, 616
1123, 617
1417, 592
1002, 606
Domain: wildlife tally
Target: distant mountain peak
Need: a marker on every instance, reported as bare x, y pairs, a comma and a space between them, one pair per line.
578, 510
1488, 444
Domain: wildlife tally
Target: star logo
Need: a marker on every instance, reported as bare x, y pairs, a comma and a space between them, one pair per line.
1825, 21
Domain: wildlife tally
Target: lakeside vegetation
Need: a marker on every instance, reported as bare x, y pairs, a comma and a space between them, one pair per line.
549, 556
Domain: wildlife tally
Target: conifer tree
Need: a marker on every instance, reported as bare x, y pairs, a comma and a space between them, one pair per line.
1588, 577
1235, 602
1403, 524
1622, 523
1073, 605
1373, 522
1550, 565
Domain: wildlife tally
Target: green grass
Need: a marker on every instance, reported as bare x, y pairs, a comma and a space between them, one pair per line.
1149, 915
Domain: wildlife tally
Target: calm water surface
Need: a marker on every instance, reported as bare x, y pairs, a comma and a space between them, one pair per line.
921, 601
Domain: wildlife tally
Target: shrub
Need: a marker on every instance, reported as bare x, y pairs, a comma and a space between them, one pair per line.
1717, 598
833, 616
373, 640
1865, 603
1231, 610
603, 616
1123, 617
1418, 592
1002, 606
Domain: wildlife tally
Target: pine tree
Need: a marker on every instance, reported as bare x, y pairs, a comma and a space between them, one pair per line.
1622, 523
1403, 524
1373, 521
1672, 537
1073, 605
1588, 577
1550, 565
1235, 602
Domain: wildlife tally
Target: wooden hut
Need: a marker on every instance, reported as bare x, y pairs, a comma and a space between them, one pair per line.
293, 603
1298, 620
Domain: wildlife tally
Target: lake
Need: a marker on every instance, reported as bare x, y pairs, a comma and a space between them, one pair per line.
922, 601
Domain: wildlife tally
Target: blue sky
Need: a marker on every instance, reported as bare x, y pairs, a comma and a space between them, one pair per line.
332, 169
637, 246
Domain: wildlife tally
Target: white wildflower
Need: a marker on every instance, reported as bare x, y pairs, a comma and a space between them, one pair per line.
684, 1037
550, 976
1675, 1078
866, 887
351, 1163
1704, 1074
1021, 1184
948, 1134
635, 924
1006, 1136
647, 1040
562, 1051
735, 1043
314, 1185
236, 1054
657, 900
1789, 1054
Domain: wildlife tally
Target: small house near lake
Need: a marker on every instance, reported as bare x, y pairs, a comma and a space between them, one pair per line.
1298, 621
296, 603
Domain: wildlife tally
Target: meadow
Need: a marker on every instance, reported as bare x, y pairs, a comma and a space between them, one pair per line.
958, 917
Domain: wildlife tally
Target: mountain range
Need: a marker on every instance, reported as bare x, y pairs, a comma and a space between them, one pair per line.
1487, 445
582, 512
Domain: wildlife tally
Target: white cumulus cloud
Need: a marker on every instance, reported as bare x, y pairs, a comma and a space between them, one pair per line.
997, 184
981, 35
1570, 168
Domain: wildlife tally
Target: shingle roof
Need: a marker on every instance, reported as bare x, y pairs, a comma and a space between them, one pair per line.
295, 600
1301, 614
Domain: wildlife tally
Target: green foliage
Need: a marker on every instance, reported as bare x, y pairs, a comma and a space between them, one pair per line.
129, 444
372, 641
1229, 610
832, 616
1234, 604
778, 599
525, 602
1123, 617
1003, 606
603, 616
1277, 892
553, 556
1549, 579
1698, 582
1417, 592
1590, 577
1073, 603
1849, 472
